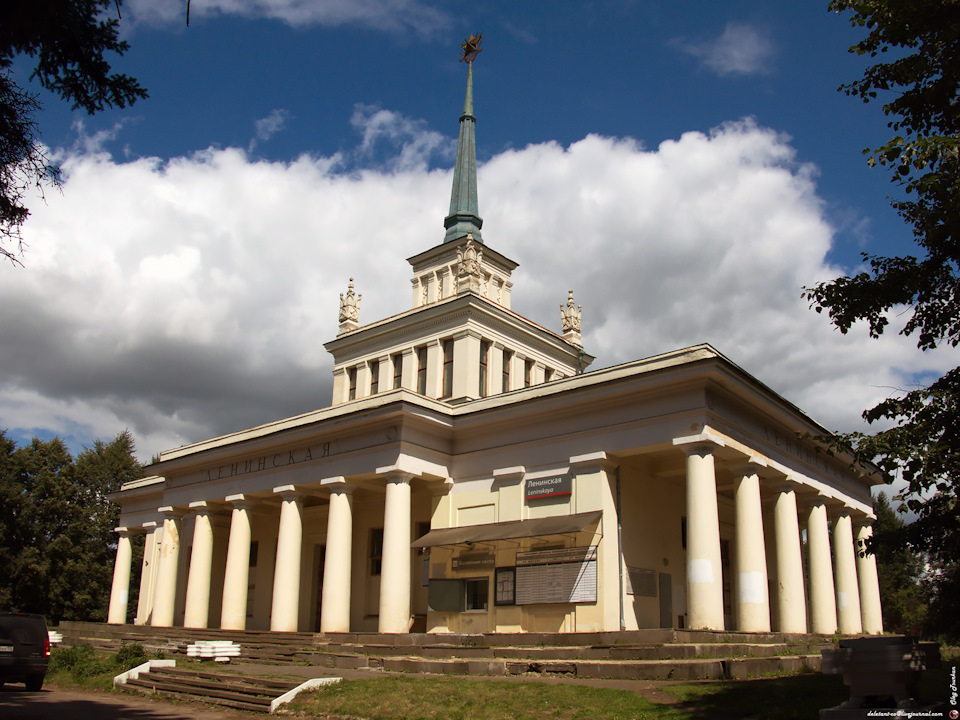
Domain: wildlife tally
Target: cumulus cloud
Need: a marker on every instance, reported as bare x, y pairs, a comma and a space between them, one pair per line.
190, 298
387, 15
741, 50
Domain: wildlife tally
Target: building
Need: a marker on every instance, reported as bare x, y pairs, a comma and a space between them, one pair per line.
469, 476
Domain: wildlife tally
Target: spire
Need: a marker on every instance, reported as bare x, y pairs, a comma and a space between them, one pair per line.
464, 211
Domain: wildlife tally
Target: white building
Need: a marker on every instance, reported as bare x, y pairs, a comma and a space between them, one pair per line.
469, 476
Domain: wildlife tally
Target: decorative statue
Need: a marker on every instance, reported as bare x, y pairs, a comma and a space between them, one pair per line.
471, 48
570, 315
350, 305
469, 270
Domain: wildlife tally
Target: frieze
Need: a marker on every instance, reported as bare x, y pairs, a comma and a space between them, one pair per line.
270, 461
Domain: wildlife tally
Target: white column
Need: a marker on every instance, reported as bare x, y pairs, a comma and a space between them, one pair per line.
845, 567
120, 592
823, 603
197, 611
285, 615
166, 594
704, 572
148, 572
753, 603
335, 600
870, 609
791, 599
233, 615
395, 570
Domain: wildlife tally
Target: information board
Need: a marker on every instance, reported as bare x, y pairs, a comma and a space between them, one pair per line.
563, 575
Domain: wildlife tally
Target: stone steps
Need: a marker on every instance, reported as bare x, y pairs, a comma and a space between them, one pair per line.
645, 654
237, 691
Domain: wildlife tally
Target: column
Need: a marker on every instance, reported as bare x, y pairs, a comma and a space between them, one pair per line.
704, 572
395, 571
166, 593
285, 614
753, 604
148, 572
870, 609
233, 616
120, 592
197, 611
791, 599
335, 600
823, 604
434, 369
845, 567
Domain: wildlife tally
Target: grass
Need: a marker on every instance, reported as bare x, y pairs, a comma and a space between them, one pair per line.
400, 698
80, 667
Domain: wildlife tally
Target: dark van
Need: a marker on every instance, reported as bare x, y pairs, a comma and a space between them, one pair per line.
24, 649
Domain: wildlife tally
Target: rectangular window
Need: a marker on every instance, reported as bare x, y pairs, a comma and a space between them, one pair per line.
477, 593
374, 377
352, 380
376, 550
254, 551
548, 375
422, 370
484, 352
507, 361
397, 370
527, 373
447, 368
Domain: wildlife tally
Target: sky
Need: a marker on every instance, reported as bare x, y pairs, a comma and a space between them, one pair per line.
686, 168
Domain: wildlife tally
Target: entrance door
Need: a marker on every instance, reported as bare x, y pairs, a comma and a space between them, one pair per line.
319, 558
666, 600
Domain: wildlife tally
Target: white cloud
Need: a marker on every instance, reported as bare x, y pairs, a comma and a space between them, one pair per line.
385, 15
193, 297
741, 50
266, 128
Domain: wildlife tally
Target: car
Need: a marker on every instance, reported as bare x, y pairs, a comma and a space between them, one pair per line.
24, 649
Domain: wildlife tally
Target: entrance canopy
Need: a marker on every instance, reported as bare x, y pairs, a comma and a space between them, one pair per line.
508, 530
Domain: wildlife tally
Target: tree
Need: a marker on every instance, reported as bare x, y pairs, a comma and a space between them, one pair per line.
68, 38
56, 525
900, 571
920, 89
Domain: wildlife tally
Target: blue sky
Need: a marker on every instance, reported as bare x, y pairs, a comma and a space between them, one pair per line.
686, 167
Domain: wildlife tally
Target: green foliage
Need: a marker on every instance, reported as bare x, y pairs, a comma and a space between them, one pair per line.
919, 85
129, 656
903, 594
68, 39
57, 543
81, 665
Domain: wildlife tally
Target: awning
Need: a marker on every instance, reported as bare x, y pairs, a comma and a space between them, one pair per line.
508, 530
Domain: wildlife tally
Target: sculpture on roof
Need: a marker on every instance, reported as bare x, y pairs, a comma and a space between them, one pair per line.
469, 268
349, 309
570, 321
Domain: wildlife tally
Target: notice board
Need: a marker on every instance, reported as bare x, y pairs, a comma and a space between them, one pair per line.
557, 576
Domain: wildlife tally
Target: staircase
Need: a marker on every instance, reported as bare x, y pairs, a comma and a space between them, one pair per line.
245, 692
631, 655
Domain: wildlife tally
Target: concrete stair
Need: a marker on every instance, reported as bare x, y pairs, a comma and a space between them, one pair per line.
642, 654
236, 691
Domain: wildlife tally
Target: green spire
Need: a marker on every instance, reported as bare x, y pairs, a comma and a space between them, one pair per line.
464, 211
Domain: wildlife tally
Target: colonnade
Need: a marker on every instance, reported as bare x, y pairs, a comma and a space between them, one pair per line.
841, 586
395, 606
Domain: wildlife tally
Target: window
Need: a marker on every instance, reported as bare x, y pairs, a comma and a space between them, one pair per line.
374, 377
422, 370
507, 361
527, 373
484, 352
397, 370
477, 593
548, 375
376, 550
447, 368
352, 381
506, 582
254, 551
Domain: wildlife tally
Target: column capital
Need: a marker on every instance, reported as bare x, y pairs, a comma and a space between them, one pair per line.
288, 492
338, 484
127, 530
200, 507
748, 467
700, 443
170, 512
150, 526
241, 502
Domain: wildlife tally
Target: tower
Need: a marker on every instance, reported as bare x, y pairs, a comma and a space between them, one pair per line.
460, 340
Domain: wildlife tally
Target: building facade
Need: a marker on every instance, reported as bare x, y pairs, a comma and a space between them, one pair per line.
470, 476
